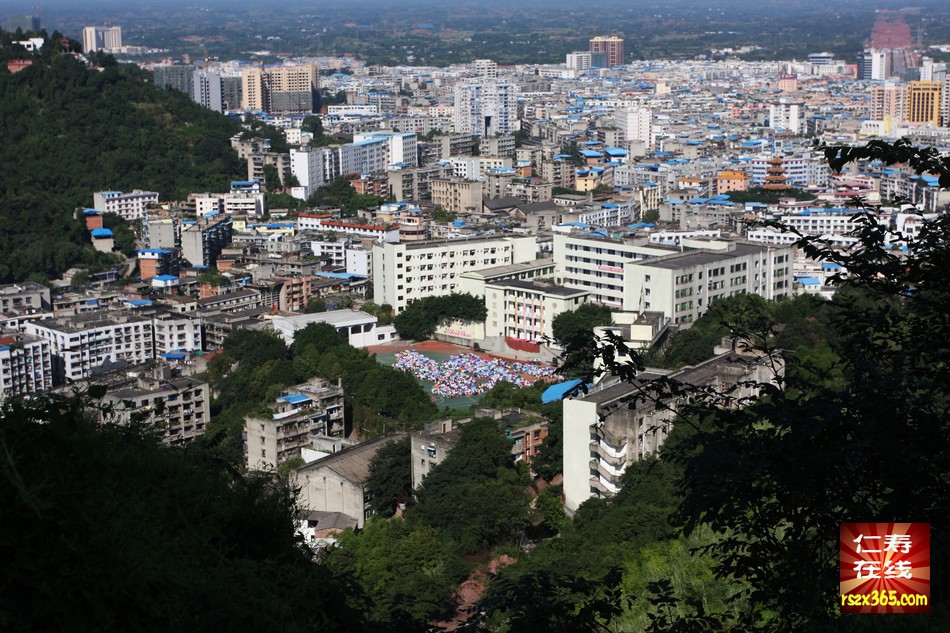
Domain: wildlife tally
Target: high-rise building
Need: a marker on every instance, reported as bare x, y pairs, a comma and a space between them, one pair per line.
281, 89
636, 124
307, 167
26, 23
786, 115
177, 76
874, 65
485, 108
612, 46
486, 68
923, 102
231, 91
579, 61
101, 38
206, 90
888, 101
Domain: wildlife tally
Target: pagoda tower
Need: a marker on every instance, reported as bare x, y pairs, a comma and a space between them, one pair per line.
775, 178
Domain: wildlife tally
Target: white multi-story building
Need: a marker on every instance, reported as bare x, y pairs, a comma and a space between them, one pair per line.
302, 414
786, 115
636, 124
525, 310
101, 38
682, 286
821, 221
177, 333
87, 344
401, 147
246, 203
408, 271
607, 428
597, 265
25, 364
364, 157
485, 108
206, 90
578, 61
307, 167
636, 276
486, 68
131, 206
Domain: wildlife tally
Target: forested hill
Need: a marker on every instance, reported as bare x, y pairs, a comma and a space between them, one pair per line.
69, 130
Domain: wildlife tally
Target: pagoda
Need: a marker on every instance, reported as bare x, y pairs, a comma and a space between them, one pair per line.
775, 178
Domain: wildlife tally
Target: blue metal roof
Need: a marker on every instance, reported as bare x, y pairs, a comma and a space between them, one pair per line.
101, 232
295, 398
561, 390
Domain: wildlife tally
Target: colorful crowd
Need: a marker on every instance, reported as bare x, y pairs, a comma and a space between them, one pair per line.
468, 374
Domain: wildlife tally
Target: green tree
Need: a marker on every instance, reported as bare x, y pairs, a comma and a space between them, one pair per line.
74, 494
390, 477
419, 320
316, 304
476, 495
774, 479
314, 125
570, 326
407, 569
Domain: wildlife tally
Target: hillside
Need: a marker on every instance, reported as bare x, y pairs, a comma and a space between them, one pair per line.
69, 130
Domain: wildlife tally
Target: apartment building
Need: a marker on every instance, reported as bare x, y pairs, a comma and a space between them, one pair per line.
682, 286
177, 332
607, 428
26, 364
88, 344
457, 195
525, 310
157, 261
101, 38
206, 90
485, 108
281, 89
130, 206
610, 50
405, 272
416, 183
297, 417
401, 147
178, 406
635, 124
24, 296
923, 102
598, 264
202, 241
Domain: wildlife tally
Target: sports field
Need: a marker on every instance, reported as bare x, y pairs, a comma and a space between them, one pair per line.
437, 351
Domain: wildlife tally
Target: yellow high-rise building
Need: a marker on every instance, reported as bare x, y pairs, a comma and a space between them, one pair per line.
281, 89
923, 102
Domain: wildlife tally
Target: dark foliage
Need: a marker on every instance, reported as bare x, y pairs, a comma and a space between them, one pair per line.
390, 477
105, 530
69, 131
421, 317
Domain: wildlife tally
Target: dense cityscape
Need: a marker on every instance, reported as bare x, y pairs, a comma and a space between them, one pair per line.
439, 318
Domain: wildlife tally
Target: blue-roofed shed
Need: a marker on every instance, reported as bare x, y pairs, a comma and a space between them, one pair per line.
561, 391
